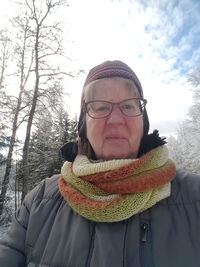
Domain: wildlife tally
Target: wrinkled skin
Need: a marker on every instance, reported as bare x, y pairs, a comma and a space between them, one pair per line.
117, 136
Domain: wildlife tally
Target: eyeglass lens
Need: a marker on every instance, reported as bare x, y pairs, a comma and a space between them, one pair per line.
129, 107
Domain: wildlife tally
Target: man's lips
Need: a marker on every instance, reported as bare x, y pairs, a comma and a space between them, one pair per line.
115, 136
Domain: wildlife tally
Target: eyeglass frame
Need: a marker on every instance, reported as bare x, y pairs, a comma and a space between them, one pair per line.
143, 105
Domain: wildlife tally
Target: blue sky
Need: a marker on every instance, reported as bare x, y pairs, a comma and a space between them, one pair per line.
180, 25
159, 39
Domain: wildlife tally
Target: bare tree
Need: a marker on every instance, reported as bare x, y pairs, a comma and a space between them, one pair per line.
20, 52
46, 44
4, 54
4, 57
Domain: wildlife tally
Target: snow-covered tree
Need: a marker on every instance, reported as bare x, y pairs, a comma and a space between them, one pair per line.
44, 152
187, 146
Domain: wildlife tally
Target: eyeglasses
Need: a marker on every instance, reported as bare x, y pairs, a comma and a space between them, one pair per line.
131, 107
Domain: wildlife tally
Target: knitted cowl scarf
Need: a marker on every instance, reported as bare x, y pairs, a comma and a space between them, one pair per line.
114, 190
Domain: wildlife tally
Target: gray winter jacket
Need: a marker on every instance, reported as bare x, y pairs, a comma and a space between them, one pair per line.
47, 232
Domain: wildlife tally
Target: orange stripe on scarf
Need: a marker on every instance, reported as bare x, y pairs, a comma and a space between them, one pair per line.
71, 194
121, 172
141, 182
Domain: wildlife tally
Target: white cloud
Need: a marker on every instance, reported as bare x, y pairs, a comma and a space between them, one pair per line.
143, 36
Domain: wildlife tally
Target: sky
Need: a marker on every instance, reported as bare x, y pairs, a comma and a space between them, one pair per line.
158, 39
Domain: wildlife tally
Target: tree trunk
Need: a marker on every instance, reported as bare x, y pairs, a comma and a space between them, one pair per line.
9, 161
10, 152
25, 167
14, 128
2, 73
4, 57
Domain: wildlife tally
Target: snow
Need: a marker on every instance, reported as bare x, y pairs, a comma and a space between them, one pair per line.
9, 210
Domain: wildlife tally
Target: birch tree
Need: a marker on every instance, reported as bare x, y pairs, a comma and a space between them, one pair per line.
4, 54
4, 57
47, 43
21, 48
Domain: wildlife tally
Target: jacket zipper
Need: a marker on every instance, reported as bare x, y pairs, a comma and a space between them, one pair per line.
146, 256
144, 251
144, 227
91, 245
125, 243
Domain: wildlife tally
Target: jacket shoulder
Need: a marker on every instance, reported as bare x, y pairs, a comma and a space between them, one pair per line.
185, 188
14, 246
47, 189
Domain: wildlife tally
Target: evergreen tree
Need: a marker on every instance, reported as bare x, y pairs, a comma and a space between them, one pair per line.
50, 133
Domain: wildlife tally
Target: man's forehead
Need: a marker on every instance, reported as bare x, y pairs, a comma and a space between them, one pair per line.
97, 86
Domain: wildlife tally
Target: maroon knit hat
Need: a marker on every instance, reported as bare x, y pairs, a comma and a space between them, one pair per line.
111, 69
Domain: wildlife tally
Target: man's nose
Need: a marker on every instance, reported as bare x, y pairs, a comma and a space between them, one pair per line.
116, 116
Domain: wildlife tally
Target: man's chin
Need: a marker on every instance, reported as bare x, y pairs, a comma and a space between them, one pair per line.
117, 155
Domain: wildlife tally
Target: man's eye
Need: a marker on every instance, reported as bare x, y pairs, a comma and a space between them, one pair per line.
102, 108
128, 107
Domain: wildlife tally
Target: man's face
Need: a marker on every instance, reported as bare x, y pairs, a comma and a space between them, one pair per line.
116, 136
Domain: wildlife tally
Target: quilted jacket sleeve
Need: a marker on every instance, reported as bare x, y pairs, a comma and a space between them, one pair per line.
12, 248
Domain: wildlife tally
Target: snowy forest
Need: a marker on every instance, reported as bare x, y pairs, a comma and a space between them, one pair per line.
184, 149
34, 121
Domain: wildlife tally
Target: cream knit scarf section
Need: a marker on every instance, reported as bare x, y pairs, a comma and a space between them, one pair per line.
115, 190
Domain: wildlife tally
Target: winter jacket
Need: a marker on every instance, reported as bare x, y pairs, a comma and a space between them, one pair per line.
47, 232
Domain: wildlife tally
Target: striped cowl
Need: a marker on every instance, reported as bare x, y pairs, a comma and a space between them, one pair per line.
115, 190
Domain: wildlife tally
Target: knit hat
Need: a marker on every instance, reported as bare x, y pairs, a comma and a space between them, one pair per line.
111, 69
